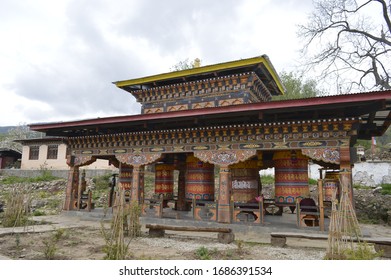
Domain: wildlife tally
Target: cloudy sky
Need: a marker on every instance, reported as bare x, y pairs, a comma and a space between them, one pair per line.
58, 59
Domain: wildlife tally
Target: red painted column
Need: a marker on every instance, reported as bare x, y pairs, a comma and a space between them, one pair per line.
225, 188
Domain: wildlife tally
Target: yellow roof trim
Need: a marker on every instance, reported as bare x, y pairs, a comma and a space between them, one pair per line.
206, 69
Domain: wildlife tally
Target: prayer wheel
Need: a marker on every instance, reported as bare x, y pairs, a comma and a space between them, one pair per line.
199, 179
330, 185
125, 178
291, 177
164, 180
245, 181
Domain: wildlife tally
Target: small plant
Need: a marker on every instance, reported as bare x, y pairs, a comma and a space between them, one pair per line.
362, 251
203, 253
134, 226
38, 213
50, 244
18, 246
116, 248
240, 247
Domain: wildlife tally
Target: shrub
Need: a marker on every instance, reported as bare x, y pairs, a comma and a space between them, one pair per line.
50, 244
17, 209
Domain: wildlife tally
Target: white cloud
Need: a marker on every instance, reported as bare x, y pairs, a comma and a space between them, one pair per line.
58, 58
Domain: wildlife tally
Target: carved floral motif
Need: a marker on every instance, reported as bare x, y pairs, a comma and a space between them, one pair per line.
138, 159
331, 155
225, 158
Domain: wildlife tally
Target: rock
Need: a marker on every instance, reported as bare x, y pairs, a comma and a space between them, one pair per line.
363, 179
386, 179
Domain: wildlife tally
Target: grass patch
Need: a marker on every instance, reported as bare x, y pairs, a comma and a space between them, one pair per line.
360, 252
361, 187
267, 179
17, 180
386, 189
312, 181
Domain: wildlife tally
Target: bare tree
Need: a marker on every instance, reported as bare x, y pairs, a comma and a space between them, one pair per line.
350, 41
186, 64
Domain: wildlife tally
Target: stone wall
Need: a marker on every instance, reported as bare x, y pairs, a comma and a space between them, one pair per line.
370, 173
372, 206
90, 173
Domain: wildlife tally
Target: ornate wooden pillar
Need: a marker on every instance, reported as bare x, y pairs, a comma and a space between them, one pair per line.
225, 158
346, 170
72, 187
137, 183
225, 190
138, 161
181, 203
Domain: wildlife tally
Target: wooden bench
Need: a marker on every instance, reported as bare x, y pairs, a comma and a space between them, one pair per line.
225, 235
381, 244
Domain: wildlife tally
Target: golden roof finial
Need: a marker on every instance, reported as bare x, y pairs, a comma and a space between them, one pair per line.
197, 62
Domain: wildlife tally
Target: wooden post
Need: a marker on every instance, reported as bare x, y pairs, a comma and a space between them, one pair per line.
72, 186
321, 208
137, 183
181, 203
224, 210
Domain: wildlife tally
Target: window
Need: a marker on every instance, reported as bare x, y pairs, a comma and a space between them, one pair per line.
34, 152
52, 151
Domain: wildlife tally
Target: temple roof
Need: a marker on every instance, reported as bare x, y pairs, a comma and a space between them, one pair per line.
372, 108
261, 65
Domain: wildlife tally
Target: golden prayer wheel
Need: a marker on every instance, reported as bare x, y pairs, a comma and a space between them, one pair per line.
199, 179
164, 180
330, 185
245, 181
291, 177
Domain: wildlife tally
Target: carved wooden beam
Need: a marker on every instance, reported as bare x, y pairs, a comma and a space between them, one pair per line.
225, 157
138, 159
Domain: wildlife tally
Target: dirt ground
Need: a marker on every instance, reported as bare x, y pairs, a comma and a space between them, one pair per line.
83, 240
87, 243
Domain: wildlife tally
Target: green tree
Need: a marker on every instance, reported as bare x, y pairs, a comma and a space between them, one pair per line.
297, 88
349, 43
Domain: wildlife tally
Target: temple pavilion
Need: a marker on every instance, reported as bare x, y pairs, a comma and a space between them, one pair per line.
217, 126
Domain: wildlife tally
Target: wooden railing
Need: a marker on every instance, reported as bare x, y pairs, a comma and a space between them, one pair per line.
248, 212
204, 210
152, 207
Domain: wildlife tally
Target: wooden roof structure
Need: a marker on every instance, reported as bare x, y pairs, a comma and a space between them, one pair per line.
372, 108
